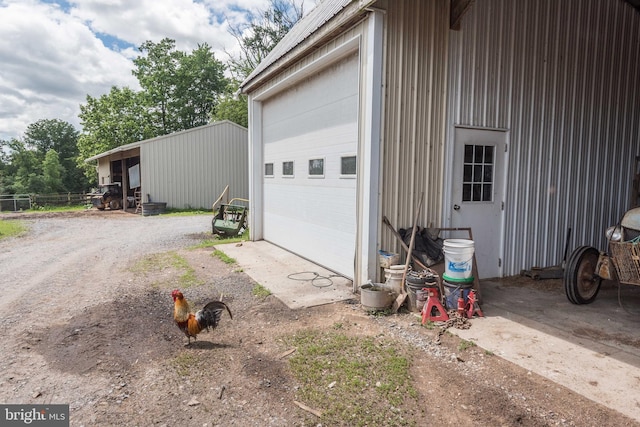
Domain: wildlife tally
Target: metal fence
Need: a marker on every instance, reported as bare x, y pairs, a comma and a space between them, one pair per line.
14, 202
17, 202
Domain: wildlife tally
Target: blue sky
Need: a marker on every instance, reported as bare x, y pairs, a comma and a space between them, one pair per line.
53, 53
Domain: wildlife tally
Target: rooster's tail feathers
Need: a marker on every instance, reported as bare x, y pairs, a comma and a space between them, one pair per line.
209, 316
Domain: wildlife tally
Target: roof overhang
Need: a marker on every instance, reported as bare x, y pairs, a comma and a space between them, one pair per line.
321, 24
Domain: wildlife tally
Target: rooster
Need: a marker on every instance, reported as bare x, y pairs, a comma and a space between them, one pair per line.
192, 324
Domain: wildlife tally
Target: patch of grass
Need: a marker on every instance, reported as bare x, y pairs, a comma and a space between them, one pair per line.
260, 291
186, 212
164, 260
464, 345
207, 243
223, 257
50, 208
11, 228
184, 362
355, 381
429, 324
217, 240
488, 352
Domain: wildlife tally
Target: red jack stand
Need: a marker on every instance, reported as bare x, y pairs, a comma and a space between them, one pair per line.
433, 301
472, 306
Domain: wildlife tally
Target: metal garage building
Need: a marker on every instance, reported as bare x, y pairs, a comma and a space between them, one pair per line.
187, 169
519, 119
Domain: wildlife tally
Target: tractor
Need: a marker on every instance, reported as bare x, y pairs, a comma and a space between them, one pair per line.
107, 196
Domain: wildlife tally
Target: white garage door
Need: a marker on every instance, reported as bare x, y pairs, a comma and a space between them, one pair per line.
310, 140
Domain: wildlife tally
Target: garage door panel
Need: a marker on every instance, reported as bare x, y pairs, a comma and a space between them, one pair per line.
329, 250
329, 207
314, 217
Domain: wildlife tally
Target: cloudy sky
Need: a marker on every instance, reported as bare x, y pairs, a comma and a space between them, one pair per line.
53, 53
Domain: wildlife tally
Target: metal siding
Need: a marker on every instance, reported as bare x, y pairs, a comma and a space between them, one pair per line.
415, 113
192, 168
563, 78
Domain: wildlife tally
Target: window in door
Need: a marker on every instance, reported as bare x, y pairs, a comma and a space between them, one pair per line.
478, 169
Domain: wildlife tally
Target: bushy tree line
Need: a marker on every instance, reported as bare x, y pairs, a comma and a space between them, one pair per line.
179, 91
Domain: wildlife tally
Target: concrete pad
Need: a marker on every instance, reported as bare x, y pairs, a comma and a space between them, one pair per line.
605, 372
295, 281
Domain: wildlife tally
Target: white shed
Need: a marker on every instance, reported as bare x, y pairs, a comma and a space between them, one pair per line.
518, 119
187, 169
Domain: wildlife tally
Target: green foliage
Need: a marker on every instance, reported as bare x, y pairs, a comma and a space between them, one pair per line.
43, 161
109, 121
180, 90
52, 172
231, 107
263, 32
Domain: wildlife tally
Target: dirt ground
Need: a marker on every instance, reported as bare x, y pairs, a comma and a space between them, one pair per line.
84, 325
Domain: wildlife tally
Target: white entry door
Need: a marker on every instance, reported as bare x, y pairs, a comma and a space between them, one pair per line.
478, 193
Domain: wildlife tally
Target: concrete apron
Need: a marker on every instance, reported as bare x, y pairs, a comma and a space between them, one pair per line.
590, 349
293, 280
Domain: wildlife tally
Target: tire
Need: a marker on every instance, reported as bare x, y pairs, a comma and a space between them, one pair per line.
581, 283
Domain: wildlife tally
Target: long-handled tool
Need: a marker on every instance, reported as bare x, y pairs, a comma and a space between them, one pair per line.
403, 295
415, 259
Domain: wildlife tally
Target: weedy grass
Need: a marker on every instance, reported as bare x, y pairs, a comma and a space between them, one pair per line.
223, 257
163, 260
184, 362
216, 240
185, 212
464, 345
352, 380
260, 291
11, 228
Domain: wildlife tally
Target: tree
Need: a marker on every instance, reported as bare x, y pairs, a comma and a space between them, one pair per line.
180, 89
256, 39
232, 107
53, 134
114, 119
263, 32
52, 173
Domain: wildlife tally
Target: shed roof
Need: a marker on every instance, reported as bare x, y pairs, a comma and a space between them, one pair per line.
137, 144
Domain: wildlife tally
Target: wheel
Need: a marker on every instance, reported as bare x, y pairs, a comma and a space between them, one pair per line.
581, 283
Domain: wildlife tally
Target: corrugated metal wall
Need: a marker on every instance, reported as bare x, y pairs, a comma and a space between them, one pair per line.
192, 168
564, 78
415, 106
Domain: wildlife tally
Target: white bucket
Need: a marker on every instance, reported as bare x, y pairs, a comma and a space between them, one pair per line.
394, 274
458, 258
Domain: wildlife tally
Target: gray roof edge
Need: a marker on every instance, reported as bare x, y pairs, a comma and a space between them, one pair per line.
309, 24
137, 144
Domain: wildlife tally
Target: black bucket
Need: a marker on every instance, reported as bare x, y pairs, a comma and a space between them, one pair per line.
453, 290
153, 208
416, 281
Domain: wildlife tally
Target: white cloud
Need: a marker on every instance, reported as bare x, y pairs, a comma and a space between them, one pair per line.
53, 56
